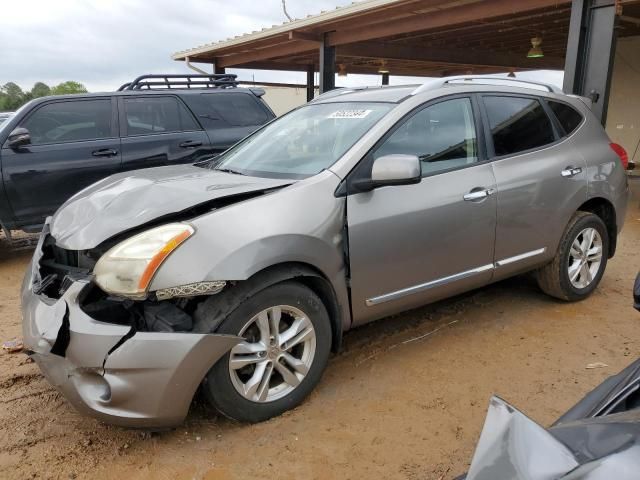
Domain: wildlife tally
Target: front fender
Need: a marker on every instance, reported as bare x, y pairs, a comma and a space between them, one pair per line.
266, 252
302, 224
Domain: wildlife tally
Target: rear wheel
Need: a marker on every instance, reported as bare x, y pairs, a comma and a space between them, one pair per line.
579, 264
286, 348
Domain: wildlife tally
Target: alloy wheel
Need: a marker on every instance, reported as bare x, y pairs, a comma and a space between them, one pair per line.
585, 258
277, 353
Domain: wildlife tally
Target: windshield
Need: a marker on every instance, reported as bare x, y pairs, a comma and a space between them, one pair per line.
303, 142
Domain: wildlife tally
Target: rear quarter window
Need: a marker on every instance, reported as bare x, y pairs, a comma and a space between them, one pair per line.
568, 117
234, 109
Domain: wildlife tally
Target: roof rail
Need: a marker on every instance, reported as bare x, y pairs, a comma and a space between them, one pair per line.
159, 81
344, 90
335, 92
441, 82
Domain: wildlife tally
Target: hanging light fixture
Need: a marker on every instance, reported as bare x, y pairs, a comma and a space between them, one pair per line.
342, 70
383, 67
536, 50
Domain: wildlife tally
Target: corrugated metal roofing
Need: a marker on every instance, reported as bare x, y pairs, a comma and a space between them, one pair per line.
308, 21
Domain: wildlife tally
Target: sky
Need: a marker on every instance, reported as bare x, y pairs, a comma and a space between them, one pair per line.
105, 43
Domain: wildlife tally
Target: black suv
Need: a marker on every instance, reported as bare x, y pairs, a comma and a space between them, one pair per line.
55, 146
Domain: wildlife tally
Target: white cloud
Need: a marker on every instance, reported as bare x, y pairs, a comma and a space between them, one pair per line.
104, 43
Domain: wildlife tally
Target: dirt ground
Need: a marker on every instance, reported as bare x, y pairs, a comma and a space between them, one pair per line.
398, 402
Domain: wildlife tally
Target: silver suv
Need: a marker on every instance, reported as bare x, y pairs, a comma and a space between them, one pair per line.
241, 274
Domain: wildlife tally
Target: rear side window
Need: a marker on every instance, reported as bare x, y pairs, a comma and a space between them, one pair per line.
517, 124
152, 115
70, 122
235, 109
568, 117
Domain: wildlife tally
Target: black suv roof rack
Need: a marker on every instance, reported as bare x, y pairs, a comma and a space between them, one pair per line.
158, 81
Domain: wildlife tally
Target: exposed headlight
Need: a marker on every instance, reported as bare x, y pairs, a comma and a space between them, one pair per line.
128, 268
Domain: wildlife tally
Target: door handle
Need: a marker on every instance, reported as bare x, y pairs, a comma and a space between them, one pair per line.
571, 171
105, 152
475, 195
190, 144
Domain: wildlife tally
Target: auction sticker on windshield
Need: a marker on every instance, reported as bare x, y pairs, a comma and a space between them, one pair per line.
350, 114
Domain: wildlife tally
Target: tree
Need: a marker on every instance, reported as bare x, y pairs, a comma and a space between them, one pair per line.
68, 87
40, 90
11, 97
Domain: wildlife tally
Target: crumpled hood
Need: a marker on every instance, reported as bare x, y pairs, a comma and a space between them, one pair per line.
130, 199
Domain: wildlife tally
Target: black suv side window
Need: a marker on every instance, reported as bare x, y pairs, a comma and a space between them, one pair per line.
517, 124
568, 117
442, 135
236, 109
158, 114
70, 121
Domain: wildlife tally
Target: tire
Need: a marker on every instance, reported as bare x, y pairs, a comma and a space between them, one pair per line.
554, 278
223, 386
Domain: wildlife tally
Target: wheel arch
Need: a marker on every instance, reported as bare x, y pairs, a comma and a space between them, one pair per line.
307, 275
315, 280
604, 209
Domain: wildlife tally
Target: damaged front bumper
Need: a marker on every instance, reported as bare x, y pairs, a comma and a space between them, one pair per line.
109, 371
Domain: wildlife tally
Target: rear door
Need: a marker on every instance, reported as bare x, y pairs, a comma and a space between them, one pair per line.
541, 180
412, 244
159, 130
74, 143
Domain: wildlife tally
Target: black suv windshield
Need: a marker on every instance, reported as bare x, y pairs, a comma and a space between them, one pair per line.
303, 142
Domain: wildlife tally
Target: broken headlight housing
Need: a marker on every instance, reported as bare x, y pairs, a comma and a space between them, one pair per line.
128, 268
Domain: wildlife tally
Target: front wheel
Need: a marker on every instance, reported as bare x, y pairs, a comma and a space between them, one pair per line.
579, 264
286, 348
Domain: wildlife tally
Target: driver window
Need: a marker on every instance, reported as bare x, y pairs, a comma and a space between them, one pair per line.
74, 121
442, 136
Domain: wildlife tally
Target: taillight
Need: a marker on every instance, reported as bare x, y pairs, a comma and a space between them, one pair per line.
622, 154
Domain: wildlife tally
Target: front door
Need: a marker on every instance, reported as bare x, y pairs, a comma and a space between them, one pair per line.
74, 143
158, 130
412, 244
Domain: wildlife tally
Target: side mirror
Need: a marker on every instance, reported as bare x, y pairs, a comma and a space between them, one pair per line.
393, 169
19, 137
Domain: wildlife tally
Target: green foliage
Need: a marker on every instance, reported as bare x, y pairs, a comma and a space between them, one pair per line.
40, 90
13, 97
66, 88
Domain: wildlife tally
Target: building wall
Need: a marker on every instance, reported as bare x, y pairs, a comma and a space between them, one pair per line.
283, 99
623, 118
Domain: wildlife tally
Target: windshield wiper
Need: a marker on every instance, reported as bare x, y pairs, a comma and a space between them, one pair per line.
228, 170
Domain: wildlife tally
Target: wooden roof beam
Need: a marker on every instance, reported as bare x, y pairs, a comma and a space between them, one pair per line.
268, 53
447, 55
526, 22
448, 17
305, 37
418, 70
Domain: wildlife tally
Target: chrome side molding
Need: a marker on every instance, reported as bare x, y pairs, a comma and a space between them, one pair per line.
520, 257
387, 297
